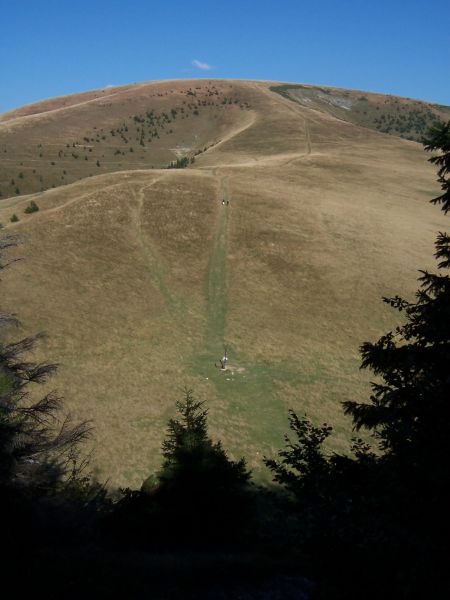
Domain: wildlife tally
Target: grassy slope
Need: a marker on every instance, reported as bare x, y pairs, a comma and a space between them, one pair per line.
405, 117
57, 142
141, 276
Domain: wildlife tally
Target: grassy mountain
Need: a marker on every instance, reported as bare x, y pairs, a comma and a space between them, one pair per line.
278, 241
59, 141
404, 117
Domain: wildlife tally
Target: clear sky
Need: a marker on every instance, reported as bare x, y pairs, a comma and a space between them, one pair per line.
55, 47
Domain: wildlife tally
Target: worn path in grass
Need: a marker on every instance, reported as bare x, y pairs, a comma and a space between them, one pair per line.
152, 261
217, 300
247, 389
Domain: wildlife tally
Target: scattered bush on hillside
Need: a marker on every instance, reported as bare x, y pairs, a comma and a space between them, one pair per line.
180, 163
31, 208
412, 124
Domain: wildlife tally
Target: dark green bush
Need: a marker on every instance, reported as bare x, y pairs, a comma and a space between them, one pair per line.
180, 163
31, 208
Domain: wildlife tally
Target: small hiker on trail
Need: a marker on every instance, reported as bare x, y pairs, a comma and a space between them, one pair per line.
223, 361
223, 202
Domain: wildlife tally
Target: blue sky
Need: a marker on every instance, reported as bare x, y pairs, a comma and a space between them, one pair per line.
55, 47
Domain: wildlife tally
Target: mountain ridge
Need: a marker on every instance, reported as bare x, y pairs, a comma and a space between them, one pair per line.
110, 88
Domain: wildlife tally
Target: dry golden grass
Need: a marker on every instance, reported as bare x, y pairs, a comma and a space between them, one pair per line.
56, 142
140, 276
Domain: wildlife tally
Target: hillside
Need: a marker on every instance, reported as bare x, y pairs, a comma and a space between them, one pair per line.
404, 117
59, 141
140, 274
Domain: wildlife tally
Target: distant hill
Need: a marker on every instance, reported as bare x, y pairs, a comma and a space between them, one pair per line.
404, 117
58, 141
277, 239
61, 140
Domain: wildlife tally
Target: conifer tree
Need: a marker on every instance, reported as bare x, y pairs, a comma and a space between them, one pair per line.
191, 458
203, 494
409, 411
380, 520
38, 449
199, 499
48, 502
